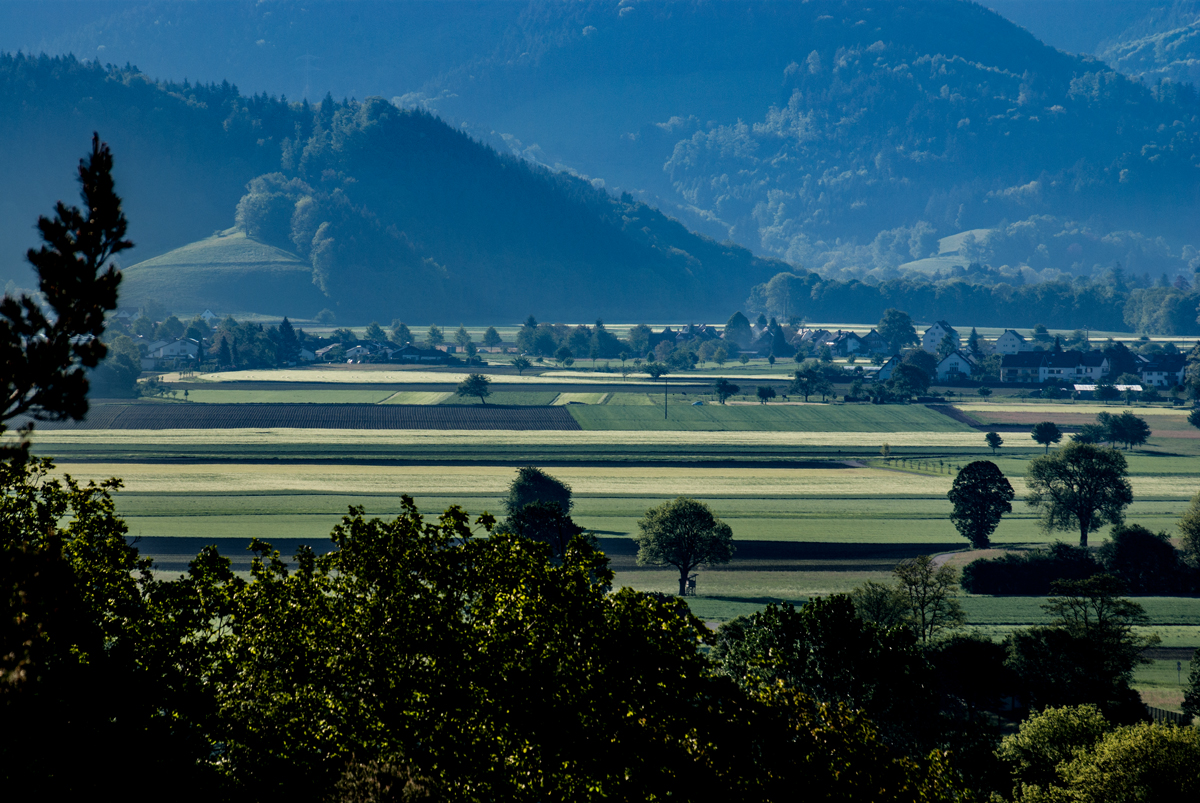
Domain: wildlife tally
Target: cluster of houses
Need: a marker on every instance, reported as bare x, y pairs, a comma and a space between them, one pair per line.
1021, 362
374, 351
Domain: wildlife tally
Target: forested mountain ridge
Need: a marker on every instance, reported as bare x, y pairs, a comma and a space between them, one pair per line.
399, 214
844, 136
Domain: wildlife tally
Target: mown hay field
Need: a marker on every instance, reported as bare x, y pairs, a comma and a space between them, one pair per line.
332, 396
392, 374
1080, 408
809, 418
682, 439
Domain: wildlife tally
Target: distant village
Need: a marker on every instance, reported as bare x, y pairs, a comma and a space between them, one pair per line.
1011, 359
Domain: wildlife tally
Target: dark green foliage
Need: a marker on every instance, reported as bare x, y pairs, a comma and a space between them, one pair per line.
43, 358
98, 658
1191, 694
547, 523
1082, 486
1089, 653
1029, 573
723, 389
897, 329
475, 385
1145, 562
908, 380
287, 348
981, 495
683, 533
765, 393
1125, 428
825, 650
534, 485
1046, 433
922, 359
993, 439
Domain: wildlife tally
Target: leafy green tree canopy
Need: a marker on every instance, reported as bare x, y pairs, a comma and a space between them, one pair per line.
897, 329
981, 495
1081, 486
475, 385
685, 534
1046, 433
534, 485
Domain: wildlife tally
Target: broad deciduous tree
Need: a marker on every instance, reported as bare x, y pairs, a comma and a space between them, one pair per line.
981, 495
1081, 486
1046, 433
475, 385
685, 534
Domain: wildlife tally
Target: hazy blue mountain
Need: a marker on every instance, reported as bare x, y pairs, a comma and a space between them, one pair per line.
1164, 44
396, 213
860, 140
844, 136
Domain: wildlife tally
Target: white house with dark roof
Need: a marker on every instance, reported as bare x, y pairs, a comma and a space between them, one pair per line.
956, 365
1012, 343
934, 334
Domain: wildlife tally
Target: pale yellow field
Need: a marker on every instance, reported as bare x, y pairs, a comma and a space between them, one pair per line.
435, 480
474, 437
581, 398
1083, 409
403, 375
417, 397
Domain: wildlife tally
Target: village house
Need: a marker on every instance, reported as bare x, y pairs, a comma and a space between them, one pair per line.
885, 371
846, 343
411, 353
1067, 367
1162, 370
934, 334
1012, 343
873, 343
955, 366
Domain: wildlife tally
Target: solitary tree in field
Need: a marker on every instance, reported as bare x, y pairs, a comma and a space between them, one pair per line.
994, 441
765, 393
521, 363
981, 495
723, 389
1082, 486
685, 534
462, 337
1046, 433
475, 385
491, 338
984, 391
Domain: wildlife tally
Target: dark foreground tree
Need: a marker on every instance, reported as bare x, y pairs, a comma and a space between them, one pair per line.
827, 651
931, 592
993, 440
1046, 433
1089, 652
1080, 487
548, 523
685, 534
981, 495
44, 353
